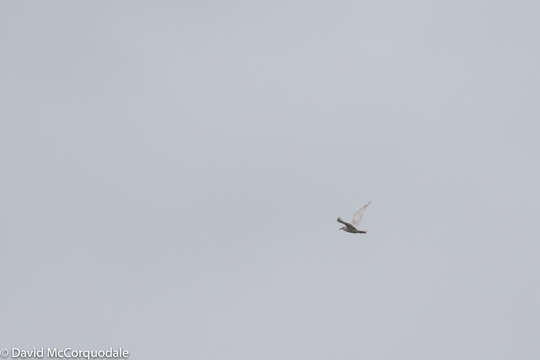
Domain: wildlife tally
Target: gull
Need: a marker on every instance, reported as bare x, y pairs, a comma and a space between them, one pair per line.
351, 227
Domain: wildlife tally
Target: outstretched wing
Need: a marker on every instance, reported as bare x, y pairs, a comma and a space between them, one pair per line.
339, 220
357, 217
349, 227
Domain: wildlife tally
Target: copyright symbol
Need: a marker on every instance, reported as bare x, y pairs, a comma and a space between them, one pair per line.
4, 353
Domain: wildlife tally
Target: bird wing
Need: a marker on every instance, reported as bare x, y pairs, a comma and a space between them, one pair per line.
357, 217
347, 225
339, 220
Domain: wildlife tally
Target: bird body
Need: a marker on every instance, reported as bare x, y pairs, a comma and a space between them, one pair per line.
352, 227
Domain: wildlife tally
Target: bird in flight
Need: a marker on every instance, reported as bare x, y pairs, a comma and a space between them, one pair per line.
352, 226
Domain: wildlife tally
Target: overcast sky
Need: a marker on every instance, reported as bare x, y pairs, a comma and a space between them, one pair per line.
172, 172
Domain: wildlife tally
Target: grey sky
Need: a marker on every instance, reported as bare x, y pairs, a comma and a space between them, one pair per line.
172, 172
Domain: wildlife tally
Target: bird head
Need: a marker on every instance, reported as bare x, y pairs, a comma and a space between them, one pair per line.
342, 228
